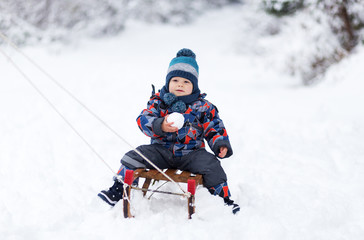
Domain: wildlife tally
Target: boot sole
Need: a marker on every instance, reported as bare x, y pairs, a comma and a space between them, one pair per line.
106, 199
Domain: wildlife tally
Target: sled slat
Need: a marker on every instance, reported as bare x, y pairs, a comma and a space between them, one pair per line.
172, 173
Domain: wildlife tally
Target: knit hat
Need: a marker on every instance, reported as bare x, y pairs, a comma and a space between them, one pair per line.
184, 65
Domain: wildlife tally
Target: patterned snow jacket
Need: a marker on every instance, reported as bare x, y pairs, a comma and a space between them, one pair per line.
201, 122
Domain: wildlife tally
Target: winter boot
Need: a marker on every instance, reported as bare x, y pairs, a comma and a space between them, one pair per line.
229, 202
222, 190
113, 195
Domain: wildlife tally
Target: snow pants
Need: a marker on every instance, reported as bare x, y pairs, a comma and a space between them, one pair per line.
198, 162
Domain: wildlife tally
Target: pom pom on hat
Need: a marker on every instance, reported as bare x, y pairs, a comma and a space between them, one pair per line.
185, 52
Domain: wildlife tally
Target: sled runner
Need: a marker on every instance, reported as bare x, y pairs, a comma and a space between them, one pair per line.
192, 180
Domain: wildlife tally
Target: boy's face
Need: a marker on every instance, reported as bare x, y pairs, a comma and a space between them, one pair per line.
180, 86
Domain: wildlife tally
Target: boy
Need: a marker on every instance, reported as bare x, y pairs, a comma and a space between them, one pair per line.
182, 148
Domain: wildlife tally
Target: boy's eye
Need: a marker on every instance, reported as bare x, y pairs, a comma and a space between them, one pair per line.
187, 82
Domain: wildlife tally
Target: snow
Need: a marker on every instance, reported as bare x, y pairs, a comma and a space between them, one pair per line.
177, 119
297, 169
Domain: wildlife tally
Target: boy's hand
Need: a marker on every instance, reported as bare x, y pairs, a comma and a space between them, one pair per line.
167, 126
223, 152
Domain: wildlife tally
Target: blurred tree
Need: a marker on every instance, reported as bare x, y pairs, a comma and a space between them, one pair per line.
346, 20
343, 21
32, 21
282, 7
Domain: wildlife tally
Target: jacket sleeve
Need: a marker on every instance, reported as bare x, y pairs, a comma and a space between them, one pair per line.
215, 132
150, 119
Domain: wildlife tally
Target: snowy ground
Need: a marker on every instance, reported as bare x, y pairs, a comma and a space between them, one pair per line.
297, 169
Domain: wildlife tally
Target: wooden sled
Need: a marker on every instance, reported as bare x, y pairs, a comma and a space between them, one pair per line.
192, 180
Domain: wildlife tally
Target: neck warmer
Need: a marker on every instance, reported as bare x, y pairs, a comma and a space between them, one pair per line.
178, 104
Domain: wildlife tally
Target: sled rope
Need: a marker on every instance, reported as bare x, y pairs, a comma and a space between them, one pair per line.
12, 44
54, 108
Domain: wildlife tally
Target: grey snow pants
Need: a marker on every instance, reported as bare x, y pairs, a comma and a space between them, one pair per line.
198, 162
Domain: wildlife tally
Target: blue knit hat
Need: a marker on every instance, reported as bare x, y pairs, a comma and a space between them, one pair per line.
184, 65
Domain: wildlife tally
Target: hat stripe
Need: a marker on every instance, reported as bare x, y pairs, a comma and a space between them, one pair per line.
183, 67
188, 60
187, 75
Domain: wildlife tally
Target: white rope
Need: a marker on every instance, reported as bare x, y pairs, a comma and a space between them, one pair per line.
125, 197
79, 102
54, 108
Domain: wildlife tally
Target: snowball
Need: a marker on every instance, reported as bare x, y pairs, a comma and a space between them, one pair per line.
177, 119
